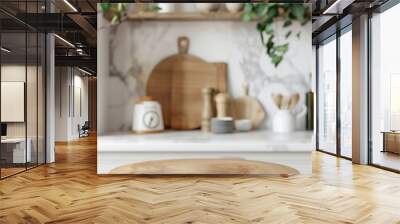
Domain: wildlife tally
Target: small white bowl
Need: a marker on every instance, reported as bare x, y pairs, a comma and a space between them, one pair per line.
207, 7
243, 125
234, 7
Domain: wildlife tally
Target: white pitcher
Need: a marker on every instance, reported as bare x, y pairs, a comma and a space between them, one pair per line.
284, 120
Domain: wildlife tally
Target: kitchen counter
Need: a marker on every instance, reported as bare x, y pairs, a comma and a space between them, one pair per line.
293, 149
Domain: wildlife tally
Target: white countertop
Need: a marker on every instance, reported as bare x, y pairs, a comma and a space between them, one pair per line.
197, 141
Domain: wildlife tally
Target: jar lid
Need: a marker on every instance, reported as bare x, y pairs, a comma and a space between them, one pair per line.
144, 99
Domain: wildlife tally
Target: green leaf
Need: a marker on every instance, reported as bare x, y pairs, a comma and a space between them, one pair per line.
272, 12
287, 23
105, 6
282, 48
276, 60
247, 17
288, 34
261, 9
298, 11
153, 7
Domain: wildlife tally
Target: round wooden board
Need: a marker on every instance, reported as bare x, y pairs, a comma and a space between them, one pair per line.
206, 166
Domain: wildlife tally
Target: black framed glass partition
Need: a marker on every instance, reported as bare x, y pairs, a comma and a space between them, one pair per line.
334, 106
22, 88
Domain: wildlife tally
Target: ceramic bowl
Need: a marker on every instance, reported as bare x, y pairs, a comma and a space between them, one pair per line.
234, 7
243, 125
207, 7
222, 125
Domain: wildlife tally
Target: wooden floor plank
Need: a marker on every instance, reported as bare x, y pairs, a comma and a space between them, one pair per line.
70, 191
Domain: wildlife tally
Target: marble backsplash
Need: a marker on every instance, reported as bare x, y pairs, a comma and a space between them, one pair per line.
134, 48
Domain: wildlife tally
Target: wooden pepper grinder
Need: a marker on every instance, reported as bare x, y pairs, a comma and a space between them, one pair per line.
207, 110
245, 86
222, 101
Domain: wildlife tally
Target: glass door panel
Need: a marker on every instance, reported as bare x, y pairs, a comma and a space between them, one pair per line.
327, 97
385, 89
346, 94
31, 100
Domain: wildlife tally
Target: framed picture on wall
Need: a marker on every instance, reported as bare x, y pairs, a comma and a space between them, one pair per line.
12, 101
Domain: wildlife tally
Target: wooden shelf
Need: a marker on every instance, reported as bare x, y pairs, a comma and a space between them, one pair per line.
184, 16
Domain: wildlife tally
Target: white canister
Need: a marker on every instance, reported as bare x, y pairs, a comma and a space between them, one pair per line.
147, 117
283, 121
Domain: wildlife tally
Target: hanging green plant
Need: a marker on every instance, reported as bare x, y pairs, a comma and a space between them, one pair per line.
115, 12
267, 14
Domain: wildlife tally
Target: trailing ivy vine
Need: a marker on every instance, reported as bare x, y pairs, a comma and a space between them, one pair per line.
267, 14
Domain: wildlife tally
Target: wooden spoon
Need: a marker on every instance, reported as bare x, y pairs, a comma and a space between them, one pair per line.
278, 100
294, 100
285, 103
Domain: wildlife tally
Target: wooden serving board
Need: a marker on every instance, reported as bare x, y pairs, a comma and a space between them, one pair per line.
177, 83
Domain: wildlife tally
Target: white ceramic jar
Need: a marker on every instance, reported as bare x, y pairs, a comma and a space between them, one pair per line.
283, 121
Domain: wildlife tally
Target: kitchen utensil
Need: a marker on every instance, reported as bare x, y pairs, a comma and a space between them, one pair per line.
310, 110
222, 125
243, 125
207, 110
177, 83
294, 99
222, 102
247, 107
277, 99
147, 116
285, 102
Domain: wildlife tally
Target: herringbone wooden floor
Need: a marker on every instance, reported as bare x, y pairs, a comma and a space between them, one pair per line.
69, 191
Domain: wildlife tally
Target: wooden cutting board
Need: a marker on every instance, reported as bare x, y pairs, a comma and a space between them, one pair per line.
247, 107
177, 83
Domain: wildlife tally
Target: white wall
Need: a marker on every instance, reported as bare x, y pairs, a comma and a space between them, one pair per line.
67, 80
136, 47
